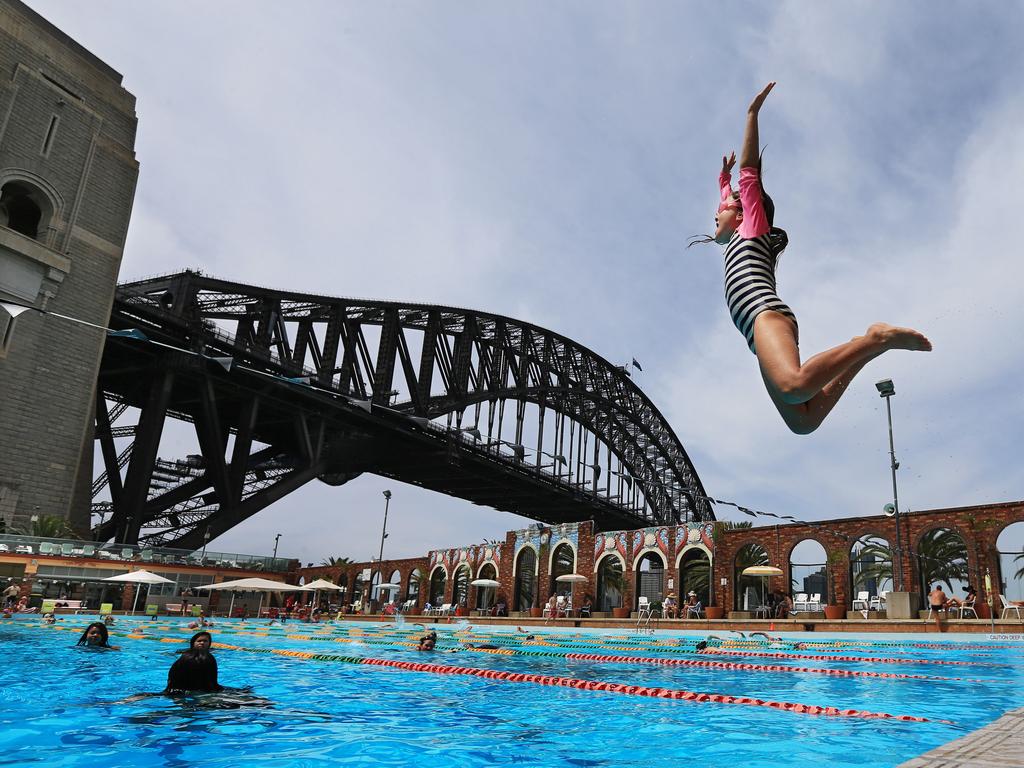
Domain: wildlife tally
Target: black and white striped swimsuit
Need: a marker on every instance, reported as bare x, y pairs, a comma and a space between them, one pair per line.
750, 283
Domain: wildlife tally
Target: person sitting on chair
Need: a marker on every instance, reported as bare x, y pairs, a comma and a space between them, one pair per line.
670, 608
693, 606
586, 607
969, 598
783, 606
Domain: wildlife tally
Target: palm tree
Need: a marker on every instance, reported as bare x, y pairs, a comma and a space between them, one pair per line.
49, 527
1020, 572
875, 561
611, 583
942, 558
336, 561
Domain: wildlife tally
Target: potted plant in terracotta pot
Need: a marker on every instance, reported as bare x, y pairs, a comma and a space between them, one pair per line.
832, 609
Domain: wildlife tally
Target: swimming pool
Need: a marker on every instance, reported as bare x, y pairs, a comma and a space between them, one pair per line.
60, 706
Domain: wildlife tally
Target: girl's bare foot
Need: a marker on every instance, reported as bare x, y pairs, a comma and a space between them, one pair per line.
892, 337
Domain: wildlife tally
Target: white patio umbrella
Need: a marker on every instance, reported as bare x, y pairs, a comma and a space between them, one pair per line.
316, 586
250, 585
381, 587
571, 578
486, 584
139, 577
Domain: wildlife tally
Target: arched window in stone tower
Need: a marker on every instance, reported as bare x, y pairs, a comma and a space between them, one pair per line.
25, 209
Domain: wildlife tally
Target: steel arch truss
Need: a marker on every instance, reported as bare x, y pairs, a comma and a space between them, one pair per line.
332, 387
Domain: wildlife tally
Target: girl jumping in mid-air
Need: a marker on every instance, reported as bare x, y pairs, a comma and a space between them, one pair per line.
805, 392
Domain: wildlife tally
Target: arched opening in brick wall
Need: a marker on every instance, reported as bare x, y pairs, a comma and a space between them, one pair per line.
695, 575
412, 586
359, 589
460, 585
610, 583
390, 594
941, 555
650, 578
438, 584
870, 567
485, 595
526, 579
1010, 546
747, 592
563, 562
807, 569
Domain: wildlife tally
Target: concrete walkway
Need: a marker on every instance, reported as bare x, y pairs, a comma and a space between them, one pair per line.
999, 745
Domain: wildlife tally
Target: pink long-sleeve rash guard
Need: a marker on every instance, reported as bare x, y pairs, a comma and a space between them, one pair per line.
754, 223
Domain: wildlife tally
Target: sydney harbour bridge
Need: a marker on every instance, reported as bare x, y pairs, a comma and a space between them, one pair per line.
281, 388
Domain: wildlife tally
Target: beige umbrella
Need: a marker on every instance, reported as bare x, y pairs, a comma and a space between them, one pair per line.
764, 571
250, 585
316, 586
139, 577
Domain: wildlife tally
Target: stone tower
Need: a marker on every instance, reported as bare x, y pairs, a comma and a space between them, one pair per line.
67, 181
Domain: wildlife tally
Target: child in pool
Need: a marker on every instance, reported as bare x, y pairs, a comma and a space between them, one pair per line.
803, 393
96, 636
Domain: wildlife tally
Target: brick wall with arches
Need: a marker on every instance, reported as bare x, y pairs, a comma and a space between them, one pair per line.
706, 558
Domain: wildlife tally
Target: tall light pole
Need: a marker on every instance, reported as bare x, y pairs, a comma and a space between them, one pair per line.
276, 539
886, 389
383, 535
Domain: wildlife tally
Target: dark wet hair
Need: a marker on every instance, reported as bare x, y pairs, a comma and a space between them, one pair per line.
104, 643
702, 645
196, 636
193, 671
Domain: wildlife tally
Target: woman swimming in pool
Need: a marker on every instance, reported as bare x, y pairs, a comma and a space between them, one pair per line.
196, 670
803, 393
95, 636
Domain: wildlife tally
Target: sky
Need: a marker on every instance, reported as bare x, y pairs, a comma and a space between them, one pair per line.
548, 161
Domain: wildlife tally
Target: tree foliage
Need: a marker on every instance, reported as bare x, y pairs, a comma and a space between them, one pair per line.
942, 558
336, 561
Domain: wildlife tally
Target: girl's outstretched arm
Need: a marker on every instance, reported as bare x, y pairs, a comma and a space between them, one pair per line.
751, 145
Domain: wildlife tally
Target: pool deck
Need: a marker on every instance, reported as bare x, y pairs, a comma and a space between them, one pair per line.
998, 745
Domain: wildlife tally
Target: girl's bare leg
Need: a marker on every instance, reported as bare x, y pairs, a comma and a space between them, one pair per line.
805, 393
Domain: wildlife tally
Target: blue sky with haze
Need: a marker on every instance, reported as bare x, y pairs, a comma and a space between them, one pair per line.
548, 162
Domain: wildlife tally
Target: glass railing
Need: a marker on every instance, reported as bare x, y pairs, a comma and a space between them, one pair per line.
131, 553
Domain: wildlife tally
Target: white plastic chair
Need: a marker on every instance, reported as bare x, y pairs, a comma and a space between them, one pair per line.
643, 608
800, 603
567, 608
815, 600
967, 606
862, 600
878, 601
1007, 607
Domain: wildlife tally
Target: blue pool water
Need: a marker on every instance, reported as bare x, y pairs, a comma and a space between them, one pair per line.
62, 706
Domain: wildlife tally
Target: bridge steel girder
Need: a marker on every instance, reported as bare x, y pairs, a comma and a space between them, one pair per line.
467, 360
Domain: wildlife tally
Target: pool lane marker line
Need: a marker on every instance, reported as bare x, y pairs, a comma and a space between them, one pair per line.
591, 685
601, 658
872, 659
673, 645
683, 662
555, 639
